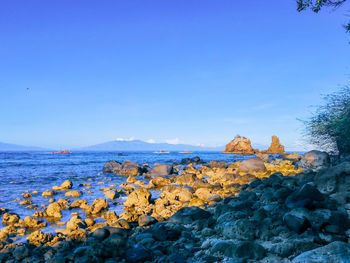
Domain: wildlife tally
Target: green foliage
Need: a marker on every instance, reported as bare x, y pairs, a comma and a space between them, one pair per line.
330, 126
316, 5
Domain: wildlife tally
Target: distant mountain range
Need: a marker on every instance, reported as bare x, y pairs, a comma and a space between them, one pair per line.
20, 148
134, 145
138, 145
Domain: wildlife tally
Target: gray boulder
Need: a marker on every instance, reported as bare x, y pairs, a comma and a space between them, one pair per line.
111, 167
162, 169
314, 160
336, 252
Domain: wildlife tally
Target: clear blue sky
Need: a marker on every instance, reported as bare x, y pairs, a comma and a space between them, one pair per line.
77, 73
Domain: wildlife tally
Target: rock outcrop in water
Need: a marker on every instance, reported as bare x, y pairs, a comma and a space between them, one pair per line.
275, 147
240, 145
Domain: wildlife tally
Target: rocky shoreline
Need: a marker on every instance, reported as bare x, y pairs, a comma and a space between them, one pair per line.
266, 209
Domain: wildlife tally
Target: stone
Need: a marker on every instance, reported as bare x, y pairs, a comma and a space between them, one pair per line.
111, 194
64, 186
100, 234
129, 168
296, 223
304, 196
111, 167
145, 220
188, 215
139, 197
335, 181
249, 250
138, 253
161, 169
193, 160
314, 160
335, 252
72, 194
252, 165
240, 145
21, 252
75, 223
275, 147
47, 193
54, 210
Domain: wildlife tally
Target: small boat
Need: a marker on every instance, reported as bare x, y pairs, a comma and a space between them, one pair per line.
162, 151
62, 152
186, 152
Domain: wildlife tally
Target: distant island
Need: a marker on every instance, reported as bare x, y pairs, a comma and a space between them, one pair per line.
7, 147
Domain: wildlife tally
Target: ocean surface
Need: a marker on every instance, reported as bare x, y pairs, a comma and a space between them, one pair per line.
29, 171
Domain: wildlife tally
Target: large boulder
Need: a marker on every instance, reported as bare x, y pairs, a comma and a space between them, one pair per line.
240, 145
162, 169
129, 168
275, 147
111, 167
252, 165
314, 160
335, 181
335, 252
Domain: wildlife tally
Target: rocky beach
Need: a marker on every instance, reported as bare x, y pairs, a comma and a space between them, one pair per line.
276, 207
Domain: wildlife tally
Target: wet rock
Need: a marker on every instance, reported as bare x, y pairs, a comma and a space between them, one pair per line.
296, 223
145, 220
162, 169
47, 193
252, 165
239, 145
72, 194
64, 186
75, 223
111, 194
54, 210
335, 252
111, 167
304, 196
193, 160
314, 160
129, 168
165, 231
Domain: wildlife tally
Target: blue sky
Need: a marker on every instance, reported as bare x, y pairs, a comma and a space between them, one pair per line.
76, 73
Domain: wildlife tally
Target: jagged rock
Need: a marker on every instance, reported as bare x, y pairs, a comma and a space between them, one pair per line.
38, 238
47, 193
10, 219
139, 197
252, 165
72, 194
335, 252
111, 167
240, 145
314, 160
296, 223
275, 147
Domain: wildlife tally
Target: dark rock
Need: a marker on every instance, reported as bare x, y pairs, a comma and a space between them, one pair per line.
249, 250
296, 223
111, 167
188, 215
304, 196
166, 231
145, 220
176, 258
21, 252
194, 160
138, 253
101, 233
241, 229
